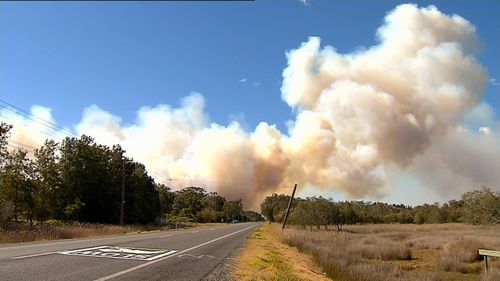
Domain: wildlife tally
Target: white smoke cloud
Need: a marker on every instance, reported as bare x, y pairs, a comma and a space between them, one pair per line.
459, 162
30, 131
410, 103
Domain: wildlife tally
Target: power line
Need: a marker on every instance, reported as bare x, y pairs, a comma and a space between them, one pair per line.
19, 111
38, 118
22, 144
20, 147
207, 182
26, 126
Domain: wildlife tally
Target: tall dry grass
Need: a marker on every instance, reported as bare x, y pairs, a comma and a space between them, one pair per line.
492, 275
24, 233
456, 254
386, 252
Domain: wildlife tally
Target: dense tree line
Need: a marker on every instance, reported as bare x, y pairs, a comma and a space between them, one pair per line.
480, 206
80, 180
196, 204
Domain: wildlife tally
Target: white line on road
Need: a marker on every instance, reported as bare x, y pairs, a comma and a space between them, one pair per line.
114, 275
165, 236
161, 256
32, 256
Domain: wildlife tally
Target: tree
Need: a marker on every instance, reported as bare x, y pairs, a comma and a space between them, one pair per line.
6, 207
167, 198
252, 216
4, 141
213, 205
142, 198
233, 209
17, 183
48, 180
274, 207
481, 206
189, 201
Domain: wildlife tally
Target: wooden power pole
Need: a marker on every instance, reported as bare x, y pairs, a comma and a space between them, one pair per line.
289, 207
122, 204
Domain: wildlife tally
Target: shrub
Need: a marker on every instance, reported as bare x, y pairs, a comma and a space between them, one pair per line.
455, 255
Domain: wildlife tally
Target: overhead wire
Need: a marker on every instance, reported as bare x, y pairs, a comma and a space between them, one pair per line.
190, 181
21, 147
33, 117
22, 144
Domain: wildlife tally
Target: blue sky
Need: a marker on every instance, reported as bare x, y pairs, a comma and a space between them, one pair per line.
121, 56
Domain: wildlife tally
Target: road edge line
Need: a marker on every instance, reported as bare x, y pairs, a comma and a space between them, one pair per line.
32, 256
114, 275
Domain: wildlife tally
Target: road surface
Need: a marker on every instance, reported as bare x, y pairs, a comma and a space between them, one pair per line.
189, 254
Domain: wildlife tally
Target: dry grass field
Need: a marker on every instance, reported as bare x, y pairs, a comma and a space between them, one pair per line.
400, 252
51, 232
23, 233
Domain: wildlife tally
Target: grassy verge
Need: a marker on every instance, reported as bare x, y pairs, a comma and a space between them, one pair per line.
266, 258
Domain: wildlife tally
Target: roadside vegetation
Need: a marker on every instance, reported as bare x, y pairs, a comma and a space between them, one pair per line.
266, 258
357, 240
79, 180
399, 252
53, 230
481, 206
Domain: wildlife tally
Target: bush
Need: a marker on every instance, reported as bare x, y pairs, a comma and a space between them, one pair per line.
456, 254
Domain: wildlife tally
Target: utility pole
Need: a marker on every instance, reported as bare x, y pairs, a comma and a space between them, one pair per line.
289, 207
122, 204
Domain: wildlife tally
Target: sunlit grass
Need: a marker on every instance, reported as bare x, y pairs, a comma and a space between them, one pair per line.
398, 252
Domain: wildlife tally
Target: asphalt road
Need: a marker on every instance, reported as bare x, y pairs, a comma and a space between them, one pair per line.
189, 254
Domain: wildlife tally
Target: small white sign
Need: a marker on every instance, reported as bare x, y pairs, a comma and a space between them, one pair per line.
120, 253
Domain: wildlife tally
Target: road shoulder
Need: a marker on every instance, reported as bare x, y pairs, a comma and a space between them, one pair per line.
266, 258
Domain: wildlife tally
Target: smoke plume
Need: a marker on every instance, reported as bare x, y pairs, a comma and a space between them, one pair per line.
400, 104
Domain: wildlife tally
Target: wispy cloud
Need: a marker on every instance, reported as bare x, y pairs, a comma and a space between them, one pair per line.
243, 80
304, 2
256, 84
485, 130
494, 82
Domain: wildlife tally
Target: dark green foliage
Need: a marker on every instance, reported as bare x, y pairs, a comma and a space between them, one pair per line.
476, 207
233, 210
189, 202
167, 198
252, 216
213, 206
274, 207
481, 206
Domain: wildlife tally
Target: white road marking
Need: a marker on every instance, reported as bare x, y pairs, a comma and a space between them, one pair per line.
161, 256
120, 273
34, 255
165, 236
85, 249
120, 253
196, 231
195, 256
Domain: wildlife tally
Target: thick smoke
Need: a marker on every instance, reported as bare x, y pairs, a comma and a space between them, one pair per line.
398, 105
